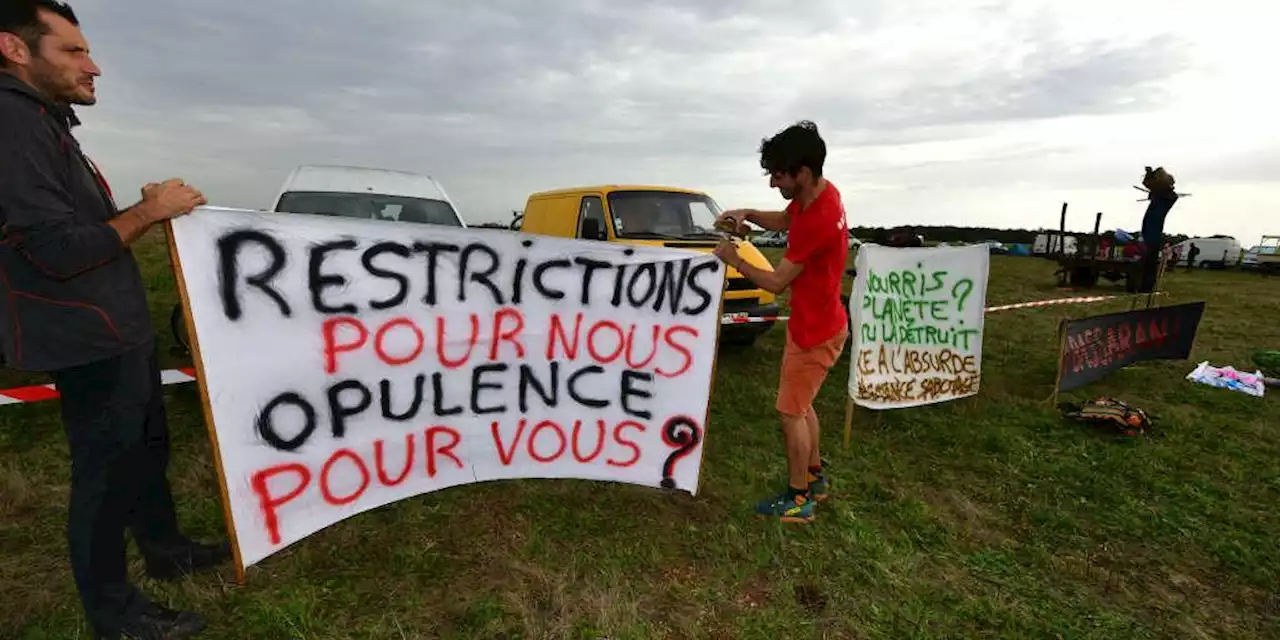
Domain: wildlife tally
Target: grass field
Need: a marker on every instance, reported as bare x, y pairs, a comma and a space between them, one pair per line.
987, 517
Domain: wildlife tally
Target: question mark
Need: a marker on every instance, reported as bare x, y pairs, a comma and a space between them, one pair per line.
968, 284
682, 440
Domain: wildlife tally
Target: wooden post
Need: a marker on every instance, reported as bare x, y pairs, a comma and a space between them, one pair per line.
1151, 295
202, 385
1062, 232
706, 419
1097, 239
1062, 354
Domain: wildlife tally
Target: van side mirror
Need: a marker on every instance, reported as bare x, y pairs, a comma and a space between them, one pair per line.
591, 229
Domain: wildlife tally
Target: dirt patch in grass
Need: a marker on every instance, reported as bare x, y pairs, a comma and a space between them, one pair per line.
971, 521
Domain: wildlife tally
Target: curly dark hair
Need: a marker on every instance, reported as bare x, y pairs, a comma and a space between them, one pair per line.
793, 148
22, 18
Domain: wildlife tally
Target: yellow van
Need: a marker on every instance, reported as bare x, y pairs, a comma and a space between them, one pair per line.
656, 216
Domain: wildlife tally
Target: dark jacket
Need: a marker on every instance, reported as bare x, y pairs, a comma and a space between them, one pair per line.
70, 291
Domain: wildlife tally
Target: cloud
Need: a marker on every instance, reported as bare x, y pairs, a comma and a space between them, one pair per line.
501, 98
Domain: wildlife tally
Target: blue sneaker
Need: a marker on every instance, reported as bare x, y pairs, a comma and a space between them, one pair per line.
818, 487
787, 509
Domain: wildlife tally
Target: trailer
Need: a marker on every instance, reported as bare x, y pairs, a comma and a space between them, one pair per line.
1093, 259
1096, 258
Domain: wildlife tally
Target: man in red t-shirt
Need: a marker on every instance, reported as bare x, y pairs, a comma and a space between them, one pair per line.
812, 268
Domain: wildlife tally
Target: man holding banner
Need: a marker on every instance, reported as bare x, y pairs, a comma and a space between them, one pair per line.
74, 306
812, 268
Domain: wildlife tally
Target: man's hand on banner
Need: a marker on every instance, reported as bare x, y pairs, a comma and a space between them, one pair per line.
170, 199
727, 252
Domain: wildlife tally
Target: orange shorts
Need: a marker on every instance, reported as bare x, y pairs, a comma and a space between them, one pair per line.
804, 371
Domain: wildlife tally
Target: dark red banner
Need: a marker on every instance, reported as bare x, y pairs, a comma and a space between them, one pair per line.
1097, 346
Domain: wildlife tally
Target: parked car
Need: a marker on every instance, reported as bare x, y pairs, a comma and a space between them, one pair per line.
356, 192
374, 194
770, 238
1250, 261
1264, 256
1046, 243
654, 216
904, 238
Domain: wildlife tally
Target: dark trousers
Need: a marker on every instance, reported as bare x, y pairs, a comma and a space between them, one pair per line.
114, 415
1150, 267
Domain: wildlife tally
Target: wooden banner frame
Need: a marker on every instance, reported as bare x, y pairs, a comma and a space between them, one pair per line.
203, 387
706, 420
1062, 355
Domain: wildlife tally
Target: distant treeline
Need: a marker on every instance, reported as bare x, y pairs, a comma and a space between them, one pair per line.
948, 234
975, 234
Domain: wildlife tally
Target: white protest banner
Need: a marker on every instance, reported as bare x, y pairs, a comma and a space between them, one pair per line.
353, 363
917, 316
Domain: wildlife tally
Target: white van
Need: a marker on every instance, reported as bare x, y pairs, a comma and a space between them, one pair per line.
360, 192
1215, 252
1046, 243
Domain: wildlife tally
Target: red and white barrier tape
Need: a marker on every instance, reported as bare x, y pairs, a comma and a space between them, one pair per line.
37, 393
729, 318
1049, 303
735, 319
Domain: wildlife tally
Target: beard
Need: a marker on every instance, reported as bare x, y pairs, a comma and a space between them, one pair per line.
788, 194
60, 86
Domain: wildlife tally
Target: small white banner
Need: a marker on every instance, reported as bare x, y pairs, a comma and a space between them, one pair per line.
353, 363
917, 325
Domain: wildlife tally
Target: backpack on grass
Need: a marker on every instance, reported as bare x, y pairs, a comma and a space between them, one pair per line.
1129, 420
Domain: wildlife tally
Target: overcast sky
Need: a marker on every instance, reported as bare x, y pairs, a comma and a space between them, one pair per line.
935, 112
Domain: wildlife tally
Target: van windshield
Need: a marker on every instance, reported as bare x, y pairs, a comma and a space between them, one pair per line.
370, 206
663, 214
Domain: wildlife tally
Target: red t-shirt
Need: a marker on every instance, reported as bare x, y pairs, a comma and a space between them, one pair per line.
818, 239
